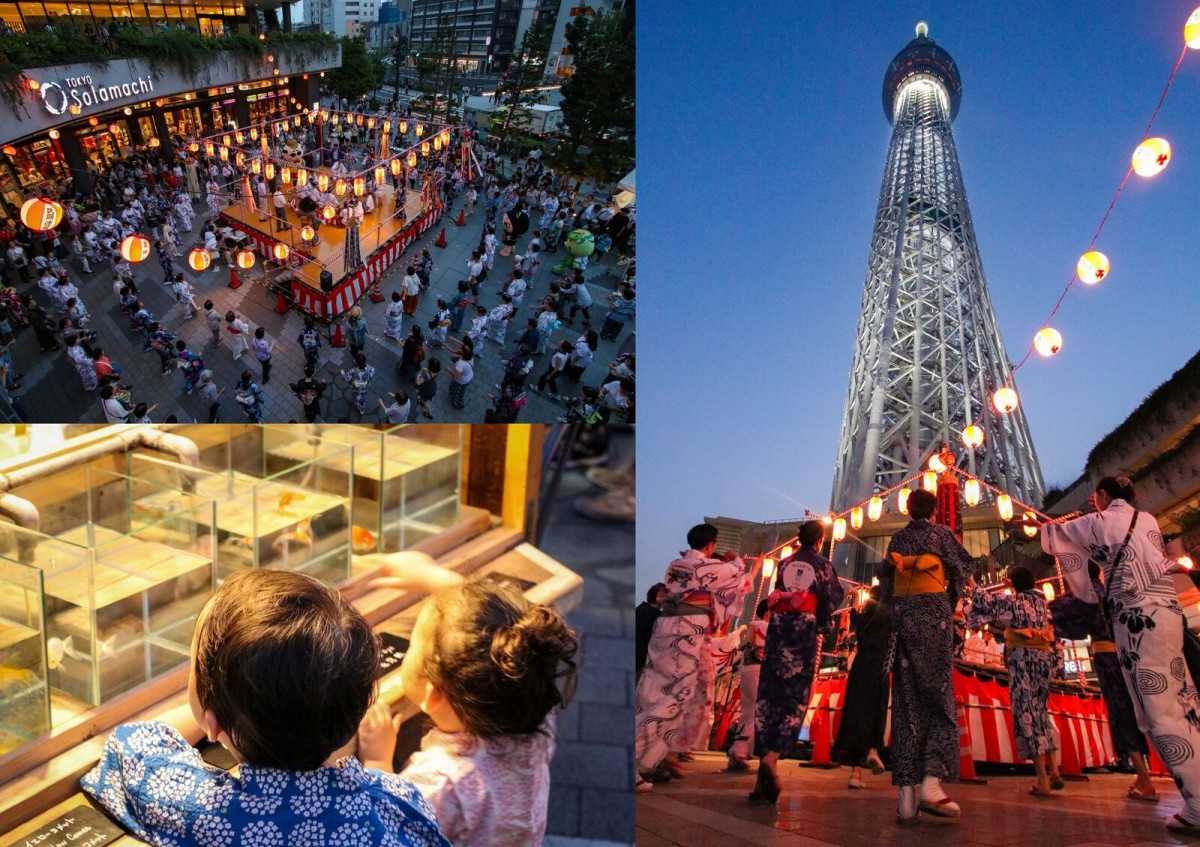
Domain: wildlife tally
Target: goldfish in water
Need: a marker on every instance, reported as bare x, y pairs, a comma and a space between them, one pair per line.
287, 498
59, 648
362, 540
302, 534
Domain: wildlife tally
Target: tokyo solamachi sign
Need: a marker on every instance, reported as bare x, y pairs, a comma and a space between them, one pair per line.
77, 93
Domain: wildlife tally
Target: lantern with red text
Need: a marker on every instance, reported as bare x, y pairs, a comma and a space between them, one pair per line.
245, 259
1151, 156
1005, 400
135, 248
41, 214
972, 436
281, 251
198, 259
1092, 267
1048, 341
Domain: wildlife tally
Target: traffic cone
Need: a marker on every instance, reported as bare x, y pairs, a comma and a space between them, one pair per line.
462, 218
966, 761
234, 282
337, 340
820, 732
376, 293
281, 305
441, 242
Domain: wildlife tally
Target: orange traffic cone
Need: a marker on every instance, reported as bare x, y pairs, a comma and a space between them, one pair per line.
820, 732
462, 218
441, 242
966, 761
281, 305
234, 282
338, 340
376, 293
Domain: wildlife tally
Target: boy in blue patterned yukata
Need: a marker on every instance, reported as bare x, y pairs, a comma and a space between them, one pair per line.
283, 670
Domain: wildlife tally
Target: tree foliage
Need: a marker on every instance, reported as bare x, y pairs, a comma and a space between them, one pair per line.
356, 77
517, 90
598, 98
437, 71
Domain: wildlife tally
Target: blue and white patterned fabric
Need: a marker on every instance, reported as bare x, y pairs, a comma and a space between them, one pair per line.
156, 785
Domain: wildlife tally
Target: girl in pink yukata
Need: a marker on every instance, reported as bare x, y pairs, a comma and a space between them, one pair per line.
485, 664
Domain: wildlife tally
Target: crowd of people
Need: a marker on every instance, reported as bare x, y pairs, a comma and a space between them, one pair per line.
147, 192
1119, 593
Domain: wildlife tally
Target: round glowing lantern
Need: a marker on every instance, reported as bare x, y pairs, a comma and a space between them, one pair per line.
786, 552
154, 142
302, 177
239, 137
308, 233
281, 251
329, 213
1191, 30
34, 85
875, 508
135, 248
412, 160
1004, 507
94, 121
1030, 531
768, 568
54, 134
380, 174
1005, 400
41, 214
1048, 591
929, 481
270, 170
360, 186
339, 187
114, 129
1092, 267
245, 259
1048, 341
322, 182
74, 108
839, 529
194, 146
856, 517
936, 463
424, 148
285, 176
1151, 156
396, 166
902, 500
8, 150
404, 127
971, 492
972, 436
1186, 562
198, 259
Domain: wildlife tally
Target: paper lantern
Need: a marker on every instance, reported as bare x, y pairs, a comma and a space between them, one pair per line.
360, 120
875, 508
936, 463
93, 121
270, 170
239, 137
34, 85
339, 187
135, 248
224, 154
839, 529
114, 129
445, 136
1048, 591
929, 482
380, 174
437, 143
333, 119
74, 108
420, 130
329, 213
296, 122
308, 233
1191, 30
768, 568
154, 142
902, 500
8, 150
324, 114
1005, 400
322, 182
1092, 267
971, 492
312, 116
396, 166
255, 165
41, 214
1030, 531
265, 146
360, 186
54, 134
787, 551
285, 176
1004, 506
194, 146
225, 140
387, 126
1048, 341
302, 177
281, 251
424, 148
245, 259
856, 517
254, 133
972, 436
198, 259
404, 127
1151, 156
412, 160
370, 123
1186, 562
209, 148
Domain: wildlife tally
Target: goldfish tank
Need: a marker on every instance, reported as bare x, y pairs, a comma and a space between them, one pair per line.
24, 695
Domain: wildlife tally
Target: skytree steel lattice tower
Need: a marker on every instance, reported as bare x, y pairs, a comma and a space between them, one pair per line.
928, 354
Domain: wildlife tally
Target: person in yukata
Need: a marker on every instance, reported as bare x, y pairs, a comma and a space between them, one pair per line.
701, 594
925, 572
1143, 607
802, 600
1031, 660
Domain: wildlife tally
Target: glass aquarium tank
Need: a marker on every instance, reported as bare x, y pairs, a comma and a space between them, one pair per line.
272, 511
404, 479
122, 582
24, 694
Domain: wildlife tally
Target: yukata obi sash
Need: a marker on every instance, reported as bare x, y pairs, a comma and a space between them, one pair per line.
1029, 637
921, 574
687, 604
792, 601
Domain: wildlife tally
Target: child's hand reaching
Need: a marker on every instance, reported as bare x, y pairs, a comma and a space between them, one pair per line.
408, 571
377, 737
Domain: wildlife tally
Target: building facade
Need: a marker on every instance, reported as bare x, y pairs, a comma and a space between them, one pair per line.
483, 32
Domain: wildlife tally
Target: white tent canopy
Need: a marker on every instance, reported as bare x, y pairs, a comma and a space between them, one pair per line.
627, 189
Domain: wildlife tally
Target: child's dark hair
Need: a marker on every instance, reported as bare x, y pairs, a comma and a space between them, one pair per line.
287, 666
1117, 488
1021, 578
498, 658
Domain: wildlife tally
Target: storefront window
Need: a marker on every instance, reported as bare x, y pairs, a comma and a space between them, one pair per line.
121, 12
10, 17
35, 16
99, 148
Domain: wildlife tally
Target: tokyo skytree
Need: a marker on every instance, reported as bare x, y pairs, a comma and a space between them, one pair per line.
928, 354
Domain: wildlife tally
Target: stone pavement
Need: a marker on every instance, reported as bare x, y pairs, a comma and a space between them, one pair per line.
817, 809
52, 390
591, 777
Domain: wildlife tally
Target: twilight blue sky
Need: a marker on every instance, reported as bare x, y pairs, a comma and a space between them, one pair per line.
761, 145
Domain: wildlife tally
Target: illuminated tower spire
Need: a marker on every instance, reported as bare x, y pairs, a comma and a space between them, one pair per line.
928, 353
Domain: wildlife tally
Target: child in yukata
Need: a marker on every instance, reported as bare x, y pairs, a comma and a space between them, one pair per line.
282, 671
484, 665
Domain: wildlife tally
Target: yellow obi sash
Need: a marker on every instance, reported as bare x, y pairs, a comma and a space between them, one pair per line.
1104, 647
1034, 639
921, 574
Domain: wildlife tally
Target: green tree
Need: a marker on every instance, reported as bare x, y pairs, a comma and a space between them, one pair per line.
399, 49
437, 71
598, 99
356, 77
518, 89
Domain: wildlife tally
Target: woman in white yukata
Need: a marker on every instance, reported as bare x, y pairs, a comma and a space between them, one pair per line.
393, 318
1143, 607
498, 318
84, 366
